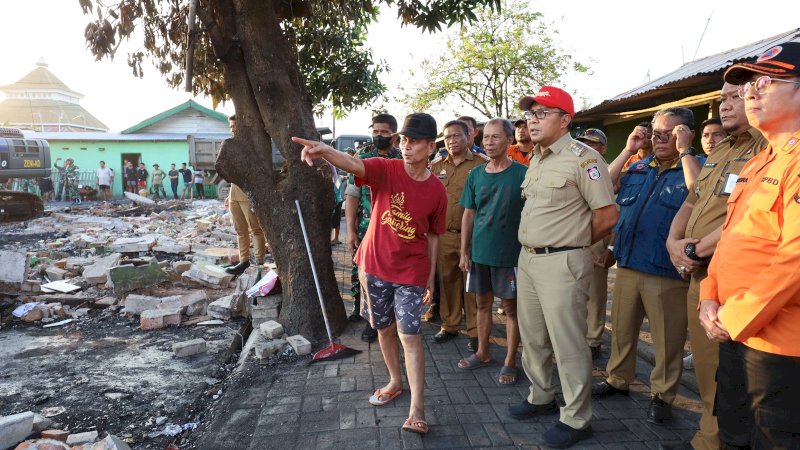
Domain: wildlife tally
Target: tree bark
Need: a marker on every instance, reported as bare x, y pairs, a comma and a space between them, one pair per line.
264, 82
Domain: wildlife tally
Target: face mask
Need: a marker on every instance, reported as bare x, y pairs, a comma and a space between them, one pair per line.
382, 142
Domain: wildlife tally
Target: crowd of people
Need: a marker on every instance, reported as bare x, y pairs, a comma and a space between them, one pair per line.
704, 244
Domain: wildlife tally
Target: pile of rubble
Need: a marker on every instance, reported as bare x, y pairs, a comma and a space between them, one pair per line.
82, 270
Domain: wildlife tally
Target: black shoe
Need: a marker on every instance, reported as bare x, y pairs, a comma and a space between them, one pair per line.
443, 336
596, 352
563, 435
369, 335
659, 410
603, 390
676, 446
527, 410
472, 345
238, 269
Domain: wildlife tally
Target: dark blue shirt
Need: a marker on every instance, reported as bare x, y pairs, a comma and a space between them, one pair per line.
648, 202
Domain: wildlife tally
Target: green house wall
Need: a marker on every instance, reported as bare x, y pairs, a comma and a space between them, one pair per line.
88, 154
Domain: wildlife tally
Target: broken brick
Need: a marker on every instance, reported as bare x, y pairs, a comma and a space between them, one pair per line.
299, 344
271, 329
189, 348
58, 435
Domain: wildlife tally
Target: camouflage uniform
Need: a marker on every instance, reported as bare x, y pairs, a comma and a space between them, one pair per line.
27, 185
363, 213
72, 176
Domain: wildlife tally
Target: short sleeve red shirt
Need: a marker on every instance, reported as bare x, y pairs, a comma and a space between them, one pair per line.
404, 210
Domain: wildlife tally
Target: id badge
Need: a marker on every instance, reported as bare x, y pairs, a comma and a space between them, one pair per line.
730, 183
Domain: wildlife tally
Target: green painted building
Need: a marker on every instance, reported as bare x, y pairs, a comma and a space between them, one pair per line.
162, 139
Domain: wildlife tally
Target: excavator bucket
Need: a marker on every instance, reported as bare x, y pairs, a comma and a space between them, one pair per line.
19, 206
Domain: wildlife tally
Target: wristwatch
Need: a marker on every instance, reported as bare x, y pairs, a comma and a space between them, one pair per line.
691, 151
691, 251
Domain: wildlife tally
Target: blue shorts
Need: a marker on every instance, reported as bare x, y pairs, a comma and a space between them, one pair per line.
384, 303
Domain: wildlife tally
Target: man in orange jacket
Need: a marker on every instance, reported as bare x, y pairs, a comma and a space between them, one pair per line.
750, 302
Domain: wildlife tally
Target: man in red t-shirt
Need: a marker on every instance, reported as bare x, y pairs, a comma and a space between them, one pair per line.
397, 257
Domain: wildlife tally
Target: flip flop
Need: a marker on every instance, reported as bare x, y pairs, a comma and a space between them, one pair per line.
473, 363
508, 372
415, 426
377, 398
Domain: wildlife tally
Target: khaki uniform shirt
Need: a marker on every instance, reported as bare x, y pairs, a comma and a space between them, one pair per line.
454, 177
564, 183
237, 194
716, 180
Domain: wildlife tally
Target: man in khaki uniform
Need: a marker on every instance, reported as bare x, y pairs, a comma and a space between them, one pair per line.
598, 289
569, 205
245, 223
693, 238
452, 170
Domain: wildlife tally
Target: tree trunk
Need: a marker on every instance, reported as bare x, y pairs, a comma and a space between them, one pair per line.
263, 79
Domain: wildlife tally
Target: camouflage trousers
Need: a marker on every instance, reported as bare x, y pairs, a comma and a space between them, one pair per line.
72, 191
355, 283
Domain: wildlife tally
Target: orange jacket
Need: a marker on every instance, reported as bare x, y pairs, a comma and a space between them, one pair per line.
515, 153
755, 272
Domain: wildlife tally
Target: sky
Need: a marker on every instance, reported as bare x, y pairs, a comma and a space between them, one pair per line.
623, 42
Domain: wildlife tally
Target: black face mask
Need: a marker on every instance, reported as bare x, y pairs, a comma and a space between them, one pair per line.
382, 142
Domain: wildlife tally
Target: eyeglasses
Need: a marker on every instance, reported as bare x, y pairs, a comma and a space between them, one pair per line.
540, 114
760, 85
662, 137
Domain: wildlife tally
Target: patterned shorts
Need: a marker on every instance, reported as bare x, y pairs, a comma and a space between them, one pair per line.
384, 302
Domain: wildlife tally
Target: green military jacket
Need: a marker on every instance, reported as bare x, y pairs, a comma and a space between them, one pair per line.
364, 193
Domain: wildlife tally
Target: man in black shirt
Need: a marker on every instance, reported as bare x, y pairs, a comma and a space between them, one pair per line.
173, 180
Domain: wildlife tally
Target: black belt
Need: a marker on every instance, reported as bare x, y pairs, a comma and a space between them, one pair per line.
548, 250
453, 230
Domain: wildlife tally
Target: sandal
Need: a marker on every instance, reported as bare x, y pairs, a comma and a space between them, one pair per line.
382, 398
508, 371
472, 362
415, 426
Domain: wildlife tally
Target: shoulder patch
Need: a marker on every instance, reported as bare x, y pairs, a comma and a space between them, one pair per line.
437, 159
588, 161
578, 147
593, 172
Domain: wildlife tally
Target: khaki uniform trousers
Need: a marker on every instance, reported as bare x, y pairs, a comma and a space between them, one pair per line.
246, 222
663, 301
706, 360
453, 295
552, 291
598, 299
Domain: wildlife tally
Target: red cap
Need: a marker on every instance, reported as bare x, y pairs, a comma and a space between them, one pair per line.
549, 96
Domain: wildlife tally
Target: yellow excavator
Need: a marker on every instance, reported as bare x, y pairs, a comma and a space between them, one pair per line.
22, 159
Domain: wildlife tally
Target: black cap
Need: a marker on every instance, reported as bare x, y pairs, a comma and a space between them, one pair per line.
779, 61
419, 126
519, 122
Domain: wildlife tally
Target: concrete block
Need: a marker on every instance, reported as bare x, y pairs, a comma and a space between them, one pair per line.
128, 278
13, 267
41, 423
189, 348
15, 428
263, 312
55, 273
86, 241
217, 255
105, 302
76, 263
300, 344
58, 435
265, 348
45, 444
136, 304
97, 273
168, 245
274, 300
82, 438
271, 329
110, 442
247, 279
151, 320
221, 308
181, 266
207, 275
159, 318
133, 244
195, 303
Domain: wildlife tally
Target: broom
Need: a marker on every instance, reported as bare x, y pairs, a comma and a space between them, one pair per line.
335, 351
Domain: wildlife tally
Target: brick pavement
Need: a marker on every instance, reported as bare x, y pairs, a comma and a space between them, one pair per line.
324, 405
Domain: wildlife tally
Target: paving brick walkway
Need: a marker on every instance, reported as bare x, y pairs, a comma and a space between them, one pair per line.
324, 405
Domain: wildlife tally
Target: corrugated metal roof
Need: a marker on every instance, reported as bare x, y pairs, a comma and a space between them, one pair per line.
703, 66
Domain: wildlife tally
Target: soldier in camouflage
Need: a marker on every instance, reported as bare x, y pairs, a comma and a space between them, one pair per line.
358, 205
72, 175
62, 170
